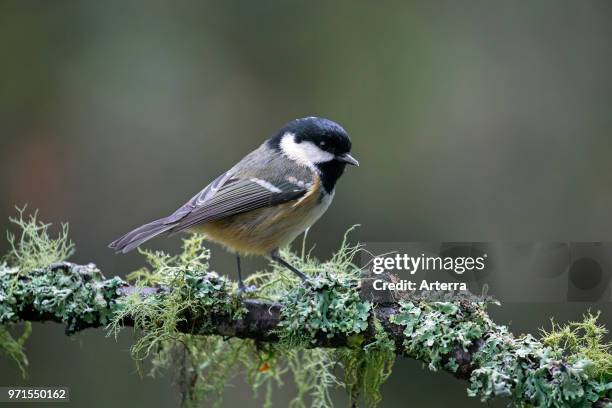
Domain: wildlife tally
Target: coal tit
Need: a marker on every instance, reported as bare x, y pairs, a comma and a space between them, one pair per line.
268, 198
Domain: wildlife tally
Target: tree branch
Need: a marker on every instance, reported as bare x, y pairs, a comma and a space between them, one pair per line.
88, 300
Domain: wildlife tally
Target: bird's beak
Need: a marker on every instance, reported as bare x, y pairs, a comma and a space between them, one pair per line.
348, 159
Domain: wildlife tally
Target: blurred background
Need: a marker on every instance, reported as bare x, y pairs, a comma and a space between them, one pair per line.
472, 120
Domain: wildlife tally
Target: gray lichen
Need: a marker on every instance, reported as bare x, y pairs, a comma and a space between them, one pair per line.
77, 295
523, 369
531, 374
37, 283
328, 304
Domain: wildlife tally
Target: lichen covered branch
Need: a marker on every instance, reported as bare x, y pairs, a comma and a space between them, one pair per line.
179, 306
457, 336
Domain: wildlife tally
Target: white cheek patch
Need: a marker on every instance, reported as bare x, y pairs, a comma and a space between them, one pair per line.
305, 153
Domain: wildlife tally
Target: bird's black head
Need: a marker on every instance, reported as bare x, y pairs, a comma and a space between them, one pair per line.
318, 143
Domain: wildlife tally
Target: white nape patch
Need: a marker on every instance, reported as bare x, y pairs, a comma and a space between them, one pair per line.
267, 185
304, 153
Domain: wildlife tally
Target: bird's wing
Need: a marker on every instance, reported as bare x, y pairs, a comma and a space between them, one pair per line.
230, 195
199, 198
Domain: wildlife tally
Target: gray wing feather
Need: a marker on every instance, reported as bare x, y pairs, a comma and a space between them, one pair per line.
199, 198
141, 234
235, 197
166, 225
231, 193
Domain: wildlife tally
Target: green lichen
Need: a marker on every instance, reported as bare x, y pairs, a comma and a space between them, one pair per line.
186, 289
368, 366
433, 329
314, 374
583, 340
175, 290
34, 270
566, 369
32, 247
33, 273
327, 304
13, 347
73, 294
532, 374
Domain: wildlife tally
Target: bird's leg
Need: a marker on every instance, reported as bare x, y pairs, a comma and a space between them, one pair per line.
240, 282
276, 257
241, 287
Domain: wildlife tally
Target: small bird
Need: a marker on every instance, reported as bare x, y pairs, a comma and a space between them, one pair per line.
267, 199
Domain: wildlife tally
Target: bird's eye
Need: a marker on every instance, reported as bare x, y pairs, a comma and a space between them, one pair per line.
322, 145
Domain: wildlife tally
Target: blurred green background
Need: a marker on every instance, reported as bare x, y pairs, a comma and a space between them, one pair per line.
472, 120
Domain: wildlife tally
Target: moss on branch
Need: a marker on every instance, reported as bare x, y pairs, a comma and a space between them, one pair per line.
181, 311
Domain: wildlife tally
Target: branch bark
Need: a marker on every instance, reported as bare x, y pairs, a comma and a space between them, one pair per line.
258, 323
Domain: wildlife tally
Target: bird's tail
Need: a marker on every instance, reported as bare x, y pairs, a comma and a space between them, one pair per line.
140, 235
